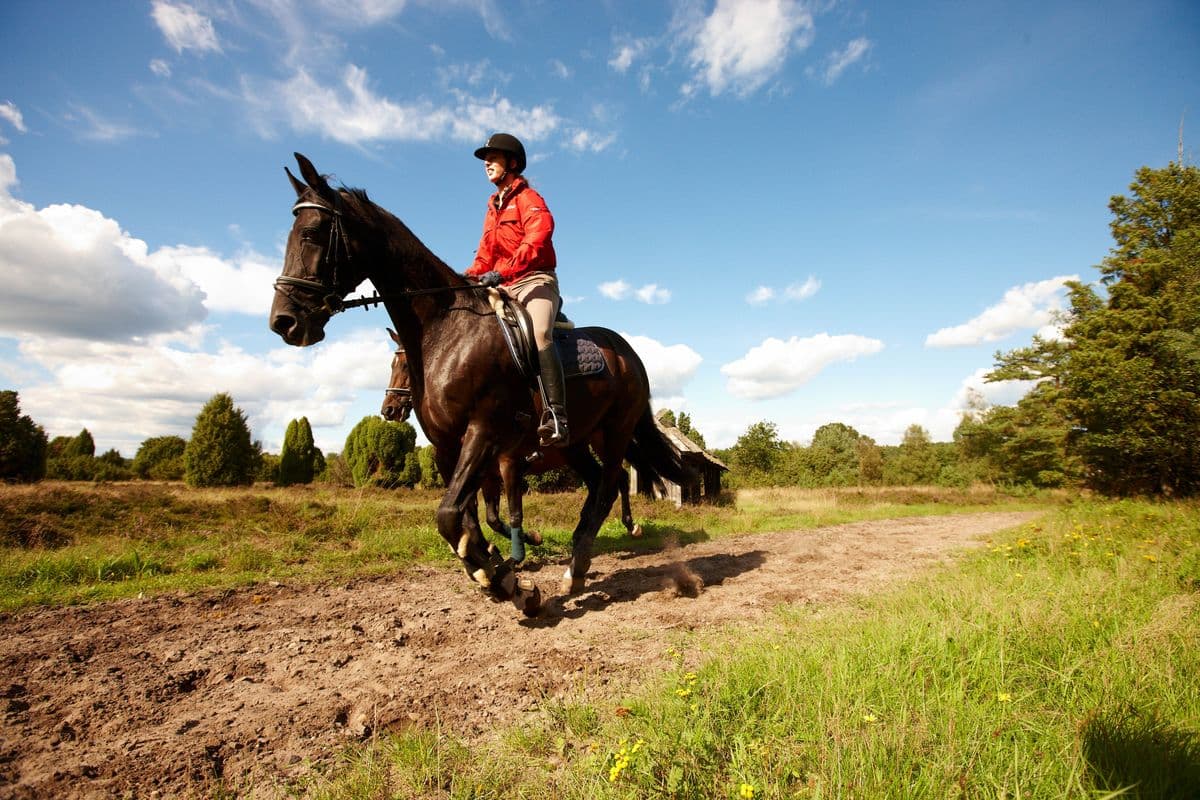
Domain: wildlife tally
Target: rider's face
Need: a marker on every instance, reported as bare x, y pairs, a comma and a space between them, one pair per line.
495, 163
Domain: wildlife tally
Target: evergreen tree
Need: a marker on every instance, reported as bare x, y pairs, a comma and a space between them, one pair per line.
1131, 379
376, 451
297, 459
23, 443
685, 427
220, 452
430, 477
160, 458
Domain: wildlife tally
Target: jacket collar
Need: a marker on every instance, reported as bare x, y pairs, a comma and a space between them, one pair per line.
513, 189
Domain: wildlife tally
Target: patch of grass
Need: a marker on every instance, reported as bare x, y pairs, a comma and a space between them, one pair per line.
73, 542
1061, 661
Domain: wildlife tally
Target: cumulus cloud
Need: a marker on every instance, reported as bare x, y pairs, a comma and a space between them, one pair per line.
839, 61
352, 112
74, 272
796, 291
653, 294
744, 43
614, 290
1031, 305
669, 367
126, 392
776, 367
184, 27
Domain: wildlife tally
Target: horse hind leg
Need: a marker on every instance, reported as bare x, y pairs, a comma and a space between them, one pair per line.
635, 529
599, 502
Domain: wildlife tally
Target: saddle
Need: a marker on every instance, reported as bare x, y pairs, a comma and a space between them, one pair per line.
578, 353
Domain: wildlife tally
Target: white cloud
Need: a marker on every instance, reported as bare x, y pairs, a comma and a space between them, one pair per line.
653, 294
614, 290
744, 43
353, 113
12, 114
125, 393
584, 141
1031, 305
669, 367
760, 295
160, 68
244, 286
776, 367
184, 27
101, 129
559, 69
627, 50
803, 291
838, 61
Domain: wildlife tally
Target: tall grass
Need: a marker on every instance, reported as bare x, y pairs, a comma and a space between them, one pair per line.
74, 542
1064, 661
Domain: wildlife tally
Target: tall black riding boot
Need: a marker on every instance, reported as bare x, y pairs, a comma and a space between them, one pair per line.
553, 430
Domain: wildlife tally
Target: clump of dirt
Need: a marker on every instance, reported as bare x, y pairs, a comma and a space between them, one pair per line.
172, 696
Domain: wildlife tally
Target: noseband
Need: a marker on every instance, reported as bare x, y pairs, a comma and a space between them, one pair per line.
331, 300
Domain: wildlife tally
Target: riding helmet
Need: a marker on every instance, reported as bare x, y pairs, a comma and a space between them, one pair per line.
508, 144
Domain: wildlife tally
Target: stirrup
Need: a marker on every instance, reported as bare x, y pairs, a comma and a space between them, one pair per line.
553, 430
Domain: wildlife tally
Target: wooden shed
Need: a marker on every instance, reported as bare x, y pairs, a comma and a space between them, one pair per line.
706, 483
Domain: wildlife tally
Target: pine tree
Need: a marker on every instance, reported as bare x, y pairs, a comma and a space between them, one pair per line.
220, 452
377, 451
160, 458
297, 459
23, 443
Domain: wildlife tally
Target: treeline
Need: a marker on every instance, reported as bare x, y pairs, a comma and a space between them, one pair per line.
220, 452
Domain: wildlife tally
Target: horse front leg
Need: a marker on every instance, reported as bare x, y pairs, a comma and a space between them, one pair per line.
458, 524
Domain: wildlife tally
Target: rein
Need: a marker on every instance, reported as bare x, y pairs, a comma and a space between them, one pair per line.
333, 303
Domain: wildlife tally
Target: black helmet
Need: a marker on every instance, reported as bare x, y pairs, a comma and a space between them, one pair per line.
505, 143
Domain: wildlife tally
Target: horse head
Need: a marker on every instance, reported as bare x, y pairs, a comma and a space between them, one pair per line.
318, 270
397, 400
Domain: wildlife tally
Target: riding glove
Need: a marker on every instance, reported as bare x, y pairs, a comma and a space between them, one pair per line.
490, 279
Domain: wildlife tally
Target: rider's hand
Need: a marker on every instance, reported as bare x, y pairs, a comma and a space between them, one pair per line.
490, 279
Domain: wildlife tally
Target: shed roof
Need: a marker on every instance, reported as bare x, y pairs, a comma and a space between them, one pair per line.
685, 445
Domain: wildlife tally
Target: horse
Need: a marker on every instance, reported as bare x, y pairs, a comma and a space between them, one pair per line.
508, 474
472, 399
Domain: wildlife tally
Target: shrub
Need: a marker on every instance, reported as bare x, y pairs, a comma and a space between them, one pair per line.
377, 451
160, 458
23, 443
220, 452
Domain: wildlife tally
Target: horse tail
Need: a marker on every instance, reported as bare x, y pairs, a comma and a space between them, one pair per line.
653, 455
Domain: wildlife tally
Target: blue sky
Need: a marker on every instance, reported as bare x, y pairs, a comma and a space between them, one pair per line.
801, 212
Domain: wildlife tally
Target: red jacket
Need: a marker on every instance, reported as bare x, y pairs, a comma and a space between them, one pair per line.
516, 236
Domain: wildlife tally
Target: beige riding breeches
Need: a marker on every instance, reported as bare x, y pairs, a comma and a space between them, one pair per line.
538, 293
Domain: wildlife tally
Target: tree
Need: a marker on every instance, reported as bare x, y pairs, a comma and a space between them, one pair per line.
915, 462
756, 453
377, 451
685, 427
81, 445
834, 455
430, 477
1131, 378
160, 458
23, 443
297, 459
220, 452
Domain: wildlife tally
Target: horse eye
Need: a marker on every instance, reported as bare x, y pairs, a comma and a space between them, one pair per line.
308, 234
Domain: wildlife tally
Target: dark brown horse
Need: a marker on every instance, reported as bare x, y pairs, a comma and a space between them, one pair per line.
507, 475
471, 399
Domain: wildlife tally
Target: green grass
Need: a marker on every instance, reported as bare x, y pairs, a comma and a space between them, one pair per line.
74, 542
1061, 662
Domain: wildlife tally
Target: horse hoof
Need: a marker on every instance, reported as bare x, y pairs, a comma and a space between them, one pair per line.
636, 532
571, 585
527, 597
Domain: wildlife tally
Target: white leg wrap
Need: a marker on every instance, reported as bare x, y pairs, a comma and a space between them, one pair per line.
481, 577
463, 543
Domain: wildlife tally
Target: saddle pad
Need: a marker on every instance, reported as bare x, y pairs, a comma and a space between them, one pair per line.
579, 354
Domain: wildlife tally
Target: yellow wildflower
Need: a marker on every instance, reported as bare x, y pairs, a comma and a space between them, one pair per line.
746, 791
1003, 697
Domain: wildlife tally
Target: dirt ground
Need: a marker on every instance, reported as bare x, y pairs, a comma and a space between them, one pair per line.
170, 696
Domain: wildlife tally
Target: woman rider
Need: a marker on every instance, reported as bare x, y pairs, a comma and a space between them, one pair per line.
515, 252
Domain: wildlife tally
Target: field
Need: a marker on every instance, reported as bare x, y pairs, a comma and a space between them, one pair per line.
321, 643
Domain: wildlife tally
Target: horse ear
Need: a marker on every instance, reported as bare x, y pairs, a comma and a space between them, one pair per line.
296, 184
315, 180
394, 335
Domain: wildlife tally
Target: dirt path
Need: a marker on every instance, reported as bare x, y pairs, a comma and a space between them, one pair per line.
156, 698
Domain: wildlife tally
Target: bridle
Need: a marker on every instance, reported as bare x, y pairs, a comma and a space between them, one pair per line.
402, 392
331, 299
